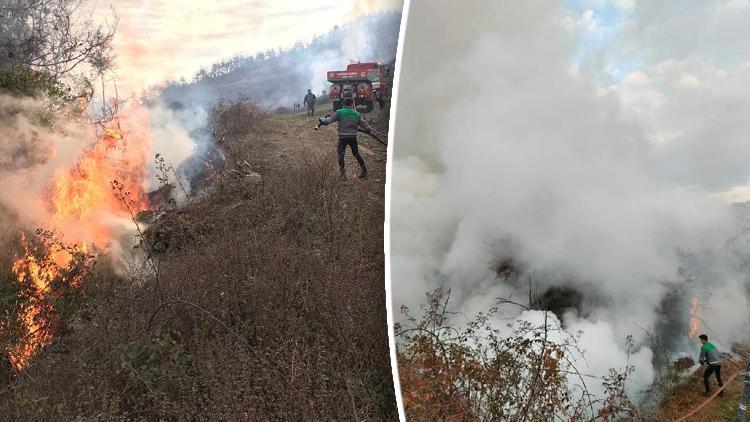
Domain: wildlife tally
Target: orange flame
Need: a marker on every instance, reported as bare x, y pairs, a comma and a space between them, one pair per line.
81, 197
82, 207
694, 307
33, 315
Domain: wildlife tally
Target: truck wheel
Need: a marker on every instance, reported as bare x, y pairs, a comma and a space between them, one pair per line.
336, 105
370, 106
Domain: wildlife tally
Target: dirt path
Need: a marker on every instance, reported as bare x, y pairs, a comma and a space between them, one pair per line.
294, 136
291, 139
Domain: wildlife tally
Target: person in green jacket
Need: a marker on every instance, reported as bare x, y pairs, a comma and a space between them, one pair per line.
710, 356
350, 122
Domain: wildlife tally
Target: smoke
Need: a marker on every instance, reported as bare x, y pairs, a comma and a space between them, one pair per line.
180, 136
360, 41
504, 152
281, 78
38, 145
32, 149
372, 38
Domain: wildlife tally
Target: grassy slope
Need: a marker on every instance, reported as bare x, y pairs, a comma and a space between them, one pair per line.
689, 395
292, 265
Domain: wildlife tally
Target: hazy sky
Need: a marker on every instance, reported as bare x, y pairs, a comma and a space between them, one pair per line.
168, 39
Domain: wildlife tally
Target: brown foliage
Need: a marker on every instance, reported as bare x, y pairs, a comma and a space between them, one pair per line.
232, 121
481, 372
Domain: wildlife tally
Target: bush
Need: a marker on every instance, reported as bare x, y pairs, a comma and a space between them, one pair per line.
22, 81
231, 121
482, 373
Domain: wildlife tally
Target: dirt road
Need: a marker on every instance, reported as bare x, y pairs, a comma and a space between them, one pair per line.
293, 138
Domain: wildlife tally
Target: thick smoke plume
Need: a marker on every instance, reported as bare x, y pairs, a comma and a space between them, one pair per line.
38, 147
506, 152
181, 137
32, 149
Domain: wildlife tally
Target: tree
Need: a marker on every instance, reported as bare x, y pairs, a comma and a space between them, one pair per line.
55, 36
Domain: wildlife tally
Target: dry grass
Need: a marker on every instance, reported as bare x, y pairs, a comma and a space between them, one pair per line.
232, 121
267, 303
688, 395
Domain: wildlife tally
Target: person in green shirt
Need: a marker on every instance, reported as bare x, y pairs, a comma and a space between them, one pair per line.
710, 356
350, 122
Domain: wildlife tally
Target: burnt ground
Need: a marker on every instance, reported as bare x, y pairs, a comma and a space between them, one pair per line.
265, 300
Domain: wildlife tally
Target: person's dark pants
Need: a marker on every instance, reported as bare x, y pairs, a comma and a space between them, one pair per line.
310, 109
712, 369
350, 141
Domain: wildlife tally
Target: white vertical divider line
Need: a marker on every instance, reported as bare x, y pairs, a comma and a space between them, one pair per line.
387, 224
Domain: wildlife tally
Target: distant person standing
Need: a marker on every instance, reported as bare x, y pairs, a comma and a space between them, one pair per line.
381, 100
350, 121
309, 103
710, 355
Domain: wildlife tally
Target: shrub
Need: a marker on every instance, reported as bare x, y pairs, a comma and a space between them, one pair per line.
22, 81
480, 372
231, 121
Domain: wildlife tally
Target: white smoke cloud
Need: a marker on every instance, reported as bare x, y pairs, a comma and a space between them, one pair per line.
365, 40
176, 136
32, 149
503, 151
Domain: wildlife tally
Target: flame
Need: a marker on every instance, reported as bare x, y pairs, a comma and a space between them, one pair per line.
82, 208
38, 335
694, 307
81, 199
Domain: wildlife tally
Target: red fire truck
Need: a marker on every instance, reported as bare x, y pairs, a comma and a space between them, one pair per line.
363, 82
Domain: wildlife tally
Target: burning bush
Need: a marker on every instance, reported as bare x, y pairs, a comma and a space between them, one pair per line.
72, 199
45, 277
230, 121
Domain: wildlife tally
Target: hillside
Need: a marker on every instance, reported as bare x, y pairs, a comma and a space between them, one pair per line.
690, 395
280, 78
266, 301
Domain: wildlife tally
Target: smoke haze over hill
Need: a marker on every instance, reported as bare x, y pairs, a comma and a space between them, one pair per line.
280, 78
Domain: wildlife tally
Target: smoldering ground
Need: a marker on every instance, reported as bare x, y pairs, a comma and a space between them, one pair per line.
506, 151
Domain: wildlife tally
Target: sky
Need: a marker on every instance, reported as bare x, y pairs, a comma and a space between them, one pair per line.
675, 79
160, 40
600, 24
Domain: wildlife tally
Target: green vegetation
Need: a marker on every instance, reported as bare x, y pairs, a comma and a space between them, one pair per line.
23, 81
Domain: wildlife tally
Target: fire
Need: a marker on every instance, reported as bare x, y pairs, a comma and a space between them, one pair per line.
82, 208
694, 306
81, 197
33, 315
